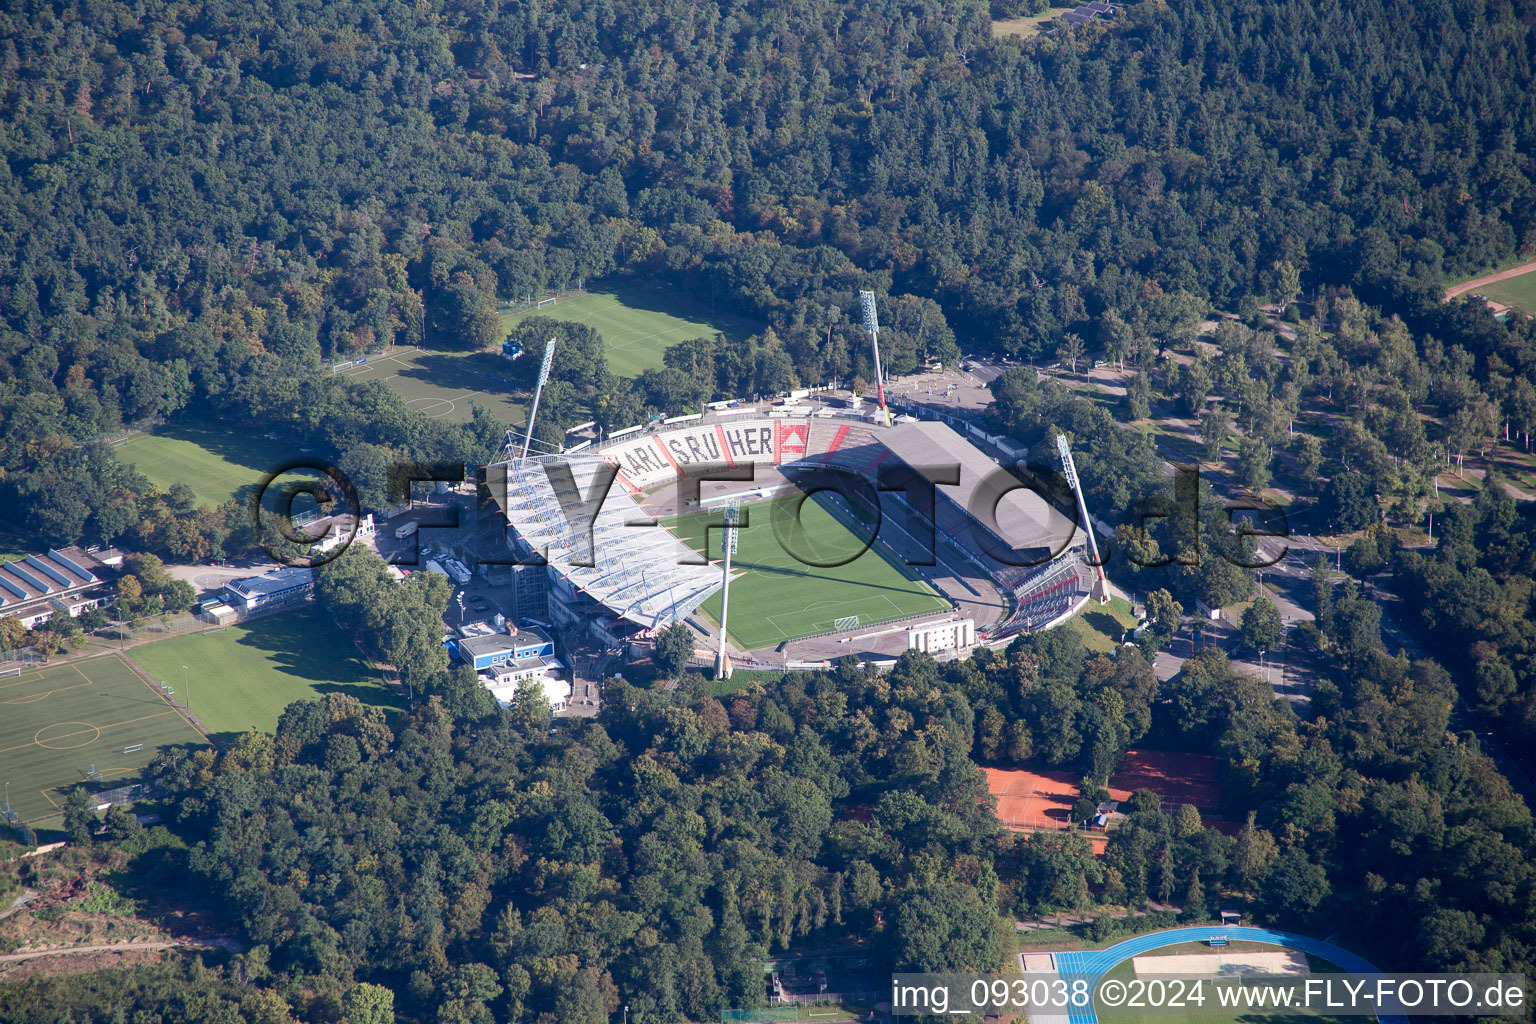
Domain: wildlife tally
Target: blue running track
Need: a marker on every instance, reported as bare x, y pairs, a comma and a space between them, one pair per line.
1093, 964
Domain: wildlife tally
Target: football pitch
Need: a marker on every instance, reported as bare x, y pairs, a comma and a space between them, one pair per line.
443, 385
214, 463
637, 324
57, 722
242, 677
776, 595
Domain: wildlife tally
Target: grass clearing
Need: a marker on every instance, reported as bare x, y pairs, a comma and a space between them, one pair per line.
1030, 26
741, 679
445, 385
1100, 625
638, 324
776, 596
242, 677
215, 462
58, 721
1519, 292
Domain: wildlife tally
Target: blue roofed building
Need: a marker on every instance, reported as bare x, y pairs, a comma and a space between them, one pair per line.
507, 658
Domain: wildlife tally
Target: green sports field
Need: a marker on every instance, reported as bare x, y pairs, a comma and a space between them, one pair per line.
776, 596
1519, 292
55, 723
444, 385
242, 677
214, 463
638, 324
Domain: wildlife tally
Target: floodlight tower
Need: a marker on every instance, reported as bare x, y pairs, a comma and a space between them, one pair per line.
727, 548
1101, 582
872, 325
533, 410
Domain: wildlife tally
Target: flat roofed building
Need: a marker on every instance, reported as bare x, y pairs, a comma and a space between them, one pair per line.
486, 648
67, 579
276, 589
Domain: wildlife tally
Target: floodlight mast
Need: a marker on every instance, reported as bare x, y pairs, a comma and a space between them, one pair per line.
1069, 468
544, 365
872, 325
727, 548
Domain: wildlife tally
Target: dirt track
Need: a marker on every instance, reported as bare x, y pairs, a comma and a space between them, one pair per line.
117, 948
1503, 275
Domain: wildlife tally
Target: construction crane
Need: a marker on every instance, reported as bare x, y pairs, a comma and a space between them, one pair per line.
1068, 467
872, 325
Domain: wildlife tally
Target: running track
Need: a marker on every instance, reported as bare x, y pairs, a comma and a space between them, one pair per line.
1097, 962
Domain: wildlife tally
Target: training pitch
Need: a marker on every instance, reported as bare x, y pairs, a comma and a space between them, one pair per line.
215, 463
777, 596
443, 385
55, 723
242, 677
637, 325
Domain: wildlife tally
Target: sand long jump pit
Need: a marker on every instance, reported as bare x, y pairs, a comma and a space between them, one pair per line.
1223, 965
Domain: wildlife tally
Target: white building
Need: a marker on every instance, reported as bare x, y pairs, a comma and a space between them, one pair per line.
951, 634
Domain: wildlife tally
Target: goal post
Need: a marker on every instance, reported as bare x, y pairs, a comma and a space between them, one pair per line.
338, 367
845, 622
545, 302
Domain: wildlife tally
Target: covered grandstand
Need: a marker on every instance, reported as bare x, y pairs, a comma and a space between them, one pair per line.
640, 573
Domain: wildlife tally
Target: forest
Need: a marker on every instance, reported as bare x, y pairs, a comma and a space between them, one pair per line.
468, 864
201, 205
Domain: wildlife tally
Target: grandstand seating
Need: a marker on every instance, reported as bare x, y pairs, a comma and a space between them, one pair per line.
1042, 595
640, 574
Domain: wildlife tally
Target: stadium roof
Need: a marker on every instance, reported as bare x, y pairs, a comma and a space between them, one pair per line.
1024, 519
640, 572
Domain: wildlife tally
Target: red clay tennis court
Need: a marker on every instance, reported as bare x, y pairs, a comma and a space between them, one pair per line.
1032, 799
1179, 778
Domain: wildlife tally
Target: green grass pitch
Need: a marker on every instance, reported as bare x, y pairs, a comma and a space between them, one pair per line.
58, 721
444, 385
242, 677
776, 596
214, 463
1519, 292
638, 324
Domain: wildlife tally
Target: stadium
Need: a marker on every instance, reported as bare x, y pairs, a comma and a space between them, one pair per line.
854, 538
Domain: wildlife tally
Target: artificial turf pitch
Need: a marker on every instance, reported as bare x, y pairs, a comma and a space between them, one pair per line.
55, 723
776, 595
242, 677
